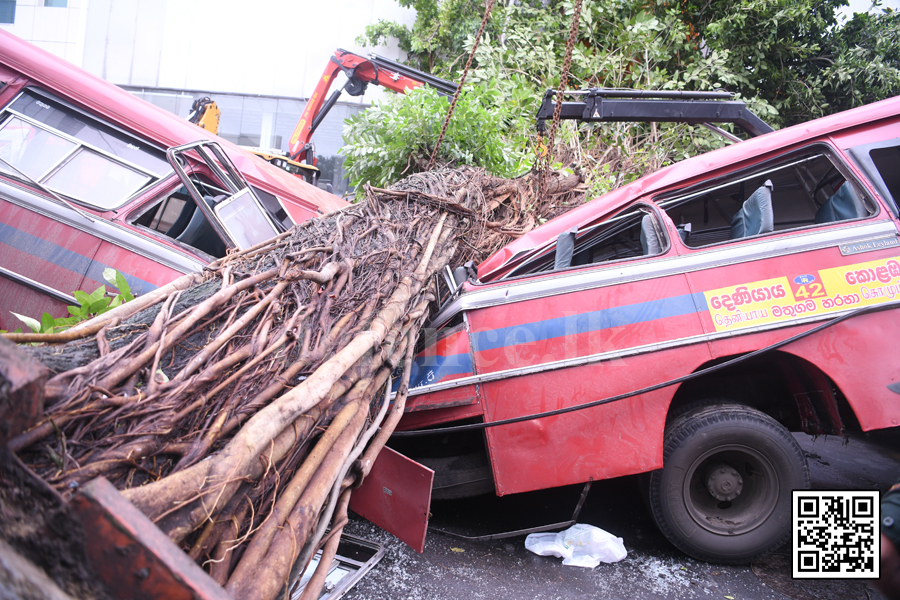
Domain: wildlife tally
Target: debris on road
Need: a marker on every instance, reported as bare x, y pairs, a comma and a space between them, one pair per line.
579, 546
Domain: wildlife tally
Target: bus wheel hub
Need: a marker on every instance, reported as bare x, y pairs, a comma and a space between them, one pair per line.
724, 483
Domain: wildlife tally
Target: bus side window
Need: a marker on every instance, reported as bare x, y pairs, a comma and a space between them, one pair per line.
177, 217
887, 161
798, 190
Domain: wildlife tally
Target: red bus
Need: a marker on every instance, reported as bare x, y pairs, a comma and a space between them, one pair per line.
682, 327
93, 177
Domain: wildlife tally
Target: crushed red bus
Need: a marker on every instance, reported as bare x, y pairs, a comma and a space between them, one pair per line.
93, 177
682, 327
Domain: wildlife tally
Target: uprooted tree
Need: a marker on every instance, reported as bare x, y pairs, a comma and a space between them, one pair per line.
240, 406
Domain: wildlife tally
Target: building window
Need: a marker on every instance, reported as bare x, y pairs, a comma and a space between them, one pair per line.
7, 11
56, 3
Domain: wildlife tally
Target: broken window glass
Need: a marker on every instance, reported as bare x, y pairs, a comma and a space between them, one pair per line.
633, 233
796, 191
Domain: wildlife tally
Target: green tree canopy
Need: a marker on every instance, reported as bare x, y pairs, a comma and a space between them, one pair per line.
790, 60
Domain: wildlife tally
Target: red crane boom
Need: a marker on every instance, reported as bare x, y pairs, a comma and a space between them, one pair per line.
360, 71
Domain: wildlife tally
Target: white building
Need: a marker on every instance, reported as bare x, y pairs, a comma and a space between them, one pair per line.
258, 60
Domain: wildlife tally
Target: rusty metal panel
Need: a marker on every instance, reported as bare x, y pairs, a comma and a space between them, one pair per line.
428, 418
131, 556
460, 396
22, 381
396, 496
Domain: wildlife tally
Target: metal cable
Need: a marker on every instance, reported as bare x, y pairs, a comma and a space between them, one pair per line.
658, 386
543, 162
437, 146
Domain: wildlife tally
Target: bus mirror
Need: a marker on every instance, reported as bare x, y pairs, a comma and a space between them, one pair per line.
459, 275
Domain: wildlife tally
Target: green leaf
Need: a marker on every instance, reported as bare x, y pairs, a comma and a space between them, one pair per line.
124, 288
66, 322
32, 324
97, 294
82, 298
100, 306
47, 322
109, 274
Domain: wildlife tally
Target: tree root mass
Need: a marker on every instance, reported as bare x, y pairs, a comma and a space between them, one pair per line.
236, 413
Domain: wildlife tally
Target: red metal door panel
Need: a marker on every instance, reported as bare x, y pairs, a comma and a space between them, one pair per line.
63, 252
611, 440
585, 323
833, 284
447, 359
441, 362
615, 329
16, 298
143, 274
396, 496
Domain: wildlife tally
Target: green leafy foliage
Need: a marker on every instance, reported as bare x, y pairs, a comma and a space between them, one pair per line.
89, 305
866, 64
118, 281
797, 56
396, 137
438, 36
789, 60
621, 44
774, 47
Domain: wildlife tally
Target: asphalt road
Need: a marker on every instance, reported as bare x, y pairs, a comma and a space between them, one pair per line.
503, 569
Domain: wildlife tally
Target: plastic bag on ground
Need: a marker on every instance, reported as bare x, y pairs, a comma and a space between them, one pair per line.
579, 546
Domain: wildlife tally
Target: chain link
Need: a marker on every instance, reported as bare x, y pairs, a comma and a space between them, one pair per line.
462, 80
543, 163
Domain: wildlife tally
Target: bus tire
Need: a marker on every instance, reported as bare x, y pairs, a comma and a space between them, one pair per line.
724, 492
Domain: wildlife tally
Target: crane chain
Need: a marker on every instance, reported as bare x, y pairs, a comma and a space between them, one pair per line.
437, 146
542, 165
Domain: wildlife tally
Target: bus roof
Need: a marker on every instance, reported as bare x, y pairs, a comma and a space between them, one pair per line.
145, 119
688, 172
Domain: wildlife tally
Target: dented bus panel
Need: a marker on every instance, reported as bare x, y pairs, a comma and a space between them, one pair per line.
696, 273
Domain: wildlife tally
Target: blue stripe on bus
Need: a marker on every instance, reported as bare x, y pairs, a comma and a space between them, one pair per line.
597, 320
432, 368
65, 258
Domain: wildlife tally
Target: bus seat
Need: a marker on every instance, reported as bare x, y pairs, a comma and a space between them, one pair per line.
649, 239
184, 217
565, 246
756, 215
844, 204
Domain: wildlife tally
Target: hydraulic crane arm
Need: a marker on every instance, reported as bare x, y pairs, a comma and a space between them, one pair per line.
360, 72
205, 113
704, 108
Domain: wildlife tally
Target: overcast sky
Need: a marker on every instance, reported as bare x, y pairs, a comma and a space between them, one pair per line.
864, 5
